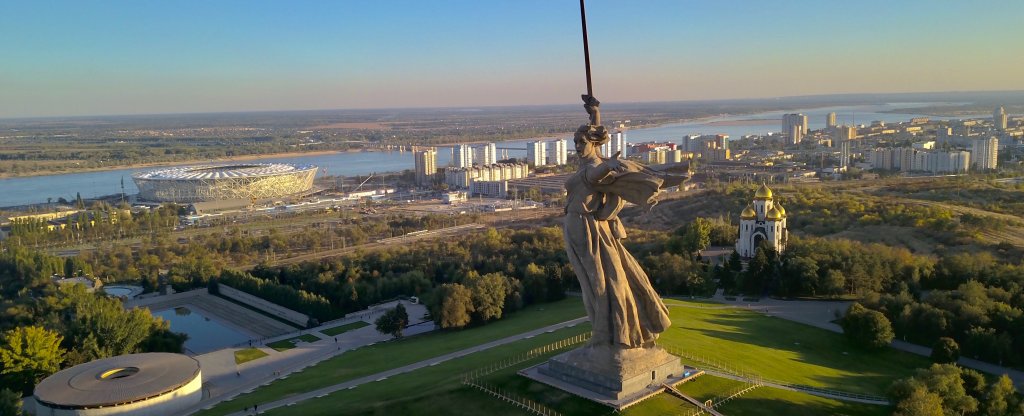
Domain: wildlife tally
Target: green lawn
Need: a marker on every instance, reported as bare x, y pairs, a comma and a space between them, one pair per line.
287, 344
248, 354
437, 390
773, 347
770, 401
338, 330
383, 356
786, 351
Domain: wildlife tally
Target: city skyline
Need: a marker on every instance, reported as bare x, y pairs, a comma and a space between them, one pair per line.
126, 58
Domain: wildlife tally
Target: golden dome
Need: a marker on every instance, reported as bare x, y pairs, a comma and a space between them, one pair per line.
763, 192
748, 213
782, 210
773, 214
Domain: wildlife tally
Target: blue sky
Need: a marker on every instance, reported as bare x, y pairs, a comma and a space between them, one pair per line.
105, 57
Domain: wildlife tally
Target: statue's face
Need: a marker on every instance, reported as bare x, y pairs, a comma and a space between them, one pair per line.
584, 148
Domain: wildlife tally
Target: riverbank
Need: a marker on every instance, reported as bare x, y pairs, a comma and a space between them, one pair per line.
179, 162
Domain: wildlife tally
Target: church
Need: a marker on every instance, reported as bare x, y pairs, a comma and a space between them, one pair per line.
763, 220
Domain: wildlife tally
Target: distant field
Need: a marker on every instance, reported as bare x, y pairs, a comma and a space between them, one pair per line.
354, 126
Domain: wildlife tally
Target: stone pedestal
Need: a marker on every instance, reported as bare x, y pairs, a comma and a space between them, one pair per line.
614, 374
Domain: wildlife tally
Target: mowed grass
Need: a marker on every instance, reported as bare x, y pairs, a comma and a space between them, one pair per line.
373, 359
783, 350
771, 401
287, 344
341, 329
438, 390
248, 354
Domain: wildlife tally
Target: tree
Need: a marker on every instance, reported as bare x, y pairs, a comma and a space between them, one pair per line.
697, 236
920, 402
1000, 397
452, 305
489, 295
29, 353
393, 321
946, 350
867, 328
10, 403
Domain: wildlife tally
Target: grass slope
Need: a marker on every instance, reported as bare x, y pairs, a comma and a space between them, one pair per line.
770, 401
783, 350
380, 357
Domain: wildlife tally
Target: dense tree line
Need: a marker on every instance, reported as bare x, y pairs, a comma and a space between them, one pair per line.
45, 327
945, 389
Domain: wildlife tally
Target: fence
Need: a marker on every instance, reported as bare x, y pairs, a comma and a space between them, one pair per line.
472, 378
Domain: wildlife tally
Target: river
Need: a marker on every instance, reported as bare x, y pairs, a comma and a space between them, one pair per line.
36, 189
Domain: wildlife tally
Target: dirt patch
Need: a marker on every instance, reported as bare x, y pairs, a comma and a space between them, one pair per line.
909, 237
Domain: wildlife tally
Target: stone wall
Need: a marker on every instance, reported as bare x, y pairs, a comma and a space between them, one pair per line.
263, 305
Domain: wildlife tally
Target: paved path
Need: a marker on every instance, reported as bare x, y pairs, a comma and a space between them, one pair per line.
223, 379
821, 314
288, 401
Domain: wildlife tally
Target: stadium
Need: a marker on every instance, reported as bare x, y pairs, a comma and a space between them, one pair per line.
155, 383
221, 182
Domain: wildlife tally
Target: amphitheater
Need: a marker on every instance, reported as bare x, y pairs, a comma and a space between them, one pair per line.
220, 182
130, 385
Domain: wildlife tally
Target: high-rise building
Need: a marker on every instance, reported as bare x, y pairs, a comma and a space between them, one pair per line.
845, 133
558, 153
789, 124
426, 165
985, 153
844, 154
830, 120
796, 134
463, 156
999, 118
487, 154
536, 153
616, 144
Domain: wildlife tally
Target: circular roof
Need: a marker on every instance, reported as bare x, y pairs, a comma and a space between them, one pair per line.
223, 171
117, 380
773, 214
779, 207
763, 192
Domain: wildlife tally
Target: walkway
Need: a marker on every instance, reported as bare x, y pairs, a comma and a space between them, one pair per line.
291, 400
672, 390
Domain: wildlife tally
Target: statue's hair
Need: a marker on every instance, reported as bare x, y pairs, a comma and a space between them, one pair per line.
597, 136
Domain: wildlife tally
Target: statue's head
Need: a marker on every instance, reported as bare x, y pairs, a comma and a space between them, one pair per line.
588, 138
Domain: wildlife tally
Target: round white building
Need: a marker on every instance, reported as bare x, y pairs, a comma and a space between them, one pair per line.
151, 384
220, 182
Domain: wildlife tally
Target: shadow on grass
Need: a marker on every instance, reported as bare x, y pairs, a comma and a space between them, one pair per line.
792, 352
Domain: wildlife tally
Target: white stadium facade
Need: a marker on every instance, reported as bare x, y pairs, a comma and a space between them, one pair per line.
221, 182
156, 383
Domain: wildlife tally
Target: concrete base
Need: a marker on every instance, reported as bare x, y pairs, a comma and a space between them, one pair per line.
611, 376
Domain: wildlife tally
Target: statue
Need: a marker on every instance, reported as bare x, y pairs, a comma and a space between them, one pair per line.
622, 306
621, 362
